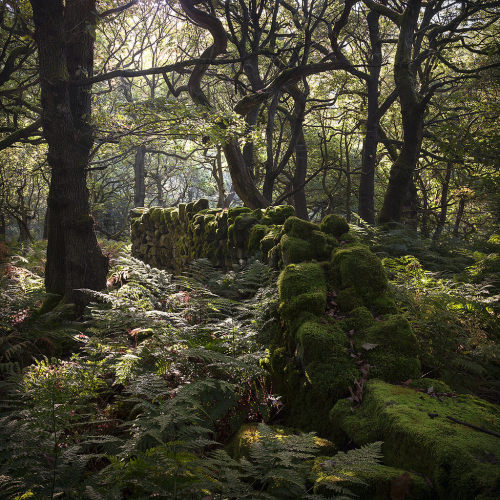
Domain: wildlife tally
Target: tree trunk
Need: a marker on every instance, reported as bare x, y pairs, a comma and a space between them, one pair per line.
424, 228
299, 197
139, 177
45, 225
3, 228
412, 112
219, 178
64, 38
444, 203
458, 218
348, 187
366, 193
24, 231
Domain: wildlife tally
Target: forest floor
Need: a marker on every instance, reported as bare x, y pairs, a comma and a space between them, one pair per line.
160, 389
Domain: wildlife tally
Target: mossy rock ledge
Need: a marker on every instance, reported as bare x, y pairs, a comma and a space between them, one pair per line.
339, 324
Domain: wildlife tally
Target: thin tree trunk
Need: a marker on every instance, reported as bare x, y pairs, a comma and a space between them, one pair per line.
239, 170
459, 216
63, 33
366, 193
444, 203
299, 197
348, 188
425, 209
24, 231
139, 177
3, 228
219, 178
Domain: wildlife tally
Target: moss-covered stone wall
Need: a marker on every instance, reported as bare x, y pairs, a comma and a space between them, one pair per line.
170, 238
341, 355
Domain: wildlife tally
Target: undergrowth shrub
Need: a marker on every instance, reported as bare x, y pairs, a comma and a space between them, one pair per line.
456, 324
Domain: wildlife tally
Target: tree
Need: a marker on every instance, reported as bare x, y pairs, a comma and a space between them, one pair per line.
64, 34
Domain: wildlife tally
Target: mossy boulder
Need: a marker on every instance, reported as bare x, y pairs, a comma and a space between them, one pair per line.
462, 462
302, 287
269, 240
295, 250
357, 268
299, 228
320, 341
331, 380
257, 234
277, 215
430, 385
395, 357
348, 299
359, 319
334, 225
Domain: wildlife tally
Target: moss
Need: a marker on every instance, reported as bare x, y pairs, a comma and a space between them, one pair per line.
137, 212
294, 250
318, 341
462, 463
430, 384
348, 299
299, 228
182, 211
277, 215
50, 302
383, 304
200, 205
334, 225
359, 319
331, 380
257, 233
348, 239
232, 213
295, 323
394, 334
319, 244
269, 240
302, 287
155, 215
360, 269
372, 483
392, 367
395, 357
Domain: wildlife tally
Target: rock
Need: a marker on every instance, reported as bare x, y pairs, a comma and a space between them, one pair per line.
462, 463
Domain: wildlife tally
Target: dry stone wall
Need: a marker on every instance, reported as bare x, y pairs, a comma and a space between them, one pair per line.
170, 238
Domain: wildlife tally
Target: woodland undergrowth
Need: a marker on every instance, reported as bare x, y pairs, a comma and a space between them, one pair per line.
138, 398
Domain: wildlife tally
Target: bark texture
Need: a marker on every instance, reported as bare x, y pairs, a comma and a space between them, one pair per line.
140, 177
65, 40
412, 111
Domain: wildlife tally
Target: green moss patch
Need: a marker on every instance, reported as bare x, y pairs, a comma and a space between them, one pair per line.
334, 225
357, 267
299, 228
318, 341
462, 463
295, 250
302, 287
